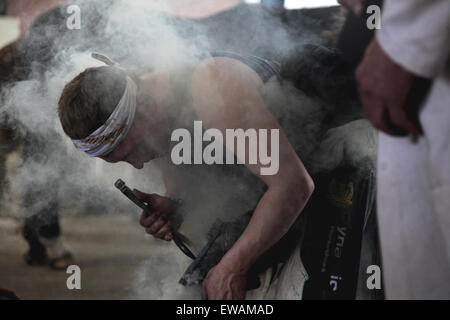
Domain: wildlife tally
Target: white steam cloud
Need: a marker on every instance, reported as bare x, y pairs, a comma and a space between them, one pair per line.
131, 33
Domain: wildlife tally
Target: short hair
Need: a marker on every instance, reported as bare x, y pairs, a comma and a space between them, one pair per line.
89, 99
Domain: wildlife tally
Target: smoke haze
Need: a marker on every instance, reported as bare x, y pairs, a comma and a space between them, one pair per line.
135, 35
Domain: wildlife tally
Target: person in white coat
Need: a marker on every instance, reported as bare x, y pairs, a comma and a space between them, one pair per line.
414, 145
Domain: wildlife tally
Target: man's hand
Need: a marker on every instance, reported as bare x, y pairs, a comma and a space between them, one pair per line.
384, 87
158, 223
355, 6
223, 283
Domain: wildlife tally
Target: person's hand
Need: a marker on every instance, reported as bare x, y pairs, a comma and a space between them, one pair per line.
355, 6
158, 223
384, 87
223, 283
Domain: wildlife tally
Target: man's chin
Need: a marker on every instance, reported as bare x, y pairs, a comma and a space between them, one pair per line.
138, 166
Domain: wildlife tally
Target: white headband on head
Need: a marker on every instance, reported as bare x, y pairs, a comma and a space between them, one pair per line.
103, 140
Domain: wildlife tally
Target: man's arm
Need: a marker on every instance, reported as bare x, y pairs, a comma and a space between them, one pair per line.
226, 97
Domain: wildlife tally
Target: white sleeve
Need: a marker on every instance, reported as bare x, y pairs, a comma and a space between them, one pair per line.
416, 34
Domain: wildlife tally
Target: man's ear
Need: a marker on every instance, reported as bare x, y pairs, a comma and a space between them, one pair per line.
140, 99
140, 123
143, 105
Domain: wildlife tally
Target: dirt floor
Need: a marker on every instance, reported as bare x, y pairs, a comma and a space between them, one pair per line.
108, 249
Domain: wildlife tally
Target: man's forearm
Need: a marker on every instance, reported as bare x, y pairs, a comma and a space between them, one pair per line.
276, 212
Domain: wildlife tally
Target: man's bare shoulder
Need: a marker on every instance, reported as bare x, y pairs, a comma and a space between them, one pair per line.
221, 81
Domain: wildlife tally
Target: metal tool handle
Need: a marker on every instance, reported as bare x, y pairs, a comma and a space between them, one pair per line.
177, 237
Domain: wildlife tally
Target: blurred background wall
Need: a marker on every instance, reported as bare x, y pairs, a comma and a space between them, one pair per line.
17, 15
